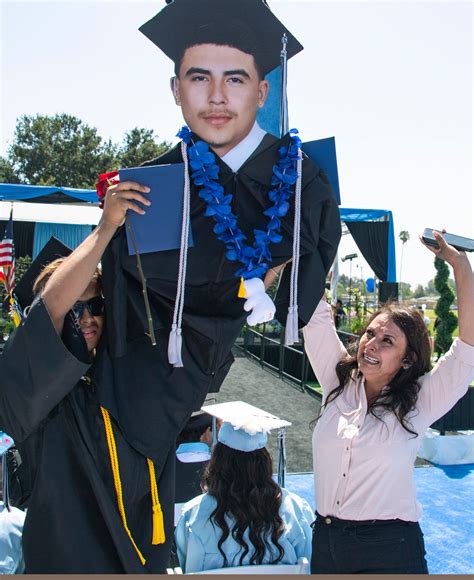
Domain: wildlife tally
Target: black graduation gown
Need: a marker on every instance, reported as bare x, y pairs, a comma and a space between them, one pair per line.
73, 524
149, 398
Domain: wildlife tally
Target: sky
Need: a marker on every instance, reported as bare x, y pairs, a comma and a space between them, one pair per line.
391, 80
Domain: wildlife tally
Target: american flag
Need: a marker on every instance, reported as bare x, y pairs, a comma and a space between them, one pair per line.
7, 257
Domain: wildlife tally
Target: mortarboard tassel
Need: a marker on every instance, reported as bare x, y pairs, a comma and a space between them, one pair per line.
281, 457
175, 340
15, 310
174, 347
291, 330
283, 94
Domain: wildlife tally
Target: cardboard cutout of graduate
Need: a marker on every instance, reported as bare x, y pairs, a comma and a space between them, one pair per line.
245, 194
241, 189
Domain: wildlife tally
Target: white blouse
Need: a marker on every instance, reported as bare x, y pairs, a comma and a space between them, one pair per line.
363, 467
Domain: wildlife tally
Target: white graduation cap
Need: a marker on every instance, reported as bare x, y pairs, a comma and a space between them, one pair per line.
244, 427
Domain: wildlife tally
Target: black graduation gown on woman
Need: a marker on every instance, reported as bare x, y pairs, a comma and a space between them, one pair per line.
73, 524
149, 398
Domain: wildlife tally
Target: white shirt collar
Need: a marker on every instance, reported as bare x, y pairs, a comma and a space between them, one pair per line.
237, 156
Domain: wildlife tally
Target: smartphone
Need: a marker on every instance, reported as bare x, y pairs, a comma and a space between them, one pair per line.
460, 243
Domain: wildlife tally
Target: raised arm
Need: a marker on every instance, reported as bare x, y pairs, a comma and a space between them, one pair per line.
323, 347
73, 276
464, 280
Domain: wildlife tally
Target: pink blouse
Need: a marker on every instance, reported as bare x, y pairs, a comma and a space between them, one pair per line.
363, 467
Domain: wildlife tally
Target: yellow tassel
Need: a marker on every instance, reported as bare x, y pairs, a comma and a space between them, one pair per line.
242, 293
158, 536
158, 533
14, 312
117, 481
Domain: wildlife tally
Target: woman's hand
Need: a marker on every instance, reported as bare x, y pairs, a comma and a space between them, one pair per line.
122, 197
464, 280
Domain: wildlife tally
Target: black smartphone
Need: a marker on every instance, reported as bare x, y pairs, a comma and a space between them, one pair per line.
460, 243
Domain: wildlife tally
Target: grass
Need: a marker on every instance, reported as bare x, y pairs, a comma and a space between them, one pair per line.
432, 316
315, 386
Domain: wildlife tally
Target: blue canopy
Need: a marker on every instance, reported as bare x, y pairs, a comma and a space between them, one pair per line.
351, 216
372, 250
13, 192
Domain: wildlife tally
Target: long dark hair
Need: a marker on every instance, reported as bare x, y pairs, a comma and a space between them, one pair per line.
242, 485
402, 393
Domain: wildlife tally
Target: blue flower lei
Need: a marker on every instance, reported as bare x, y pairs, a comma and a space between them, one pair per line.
205, 174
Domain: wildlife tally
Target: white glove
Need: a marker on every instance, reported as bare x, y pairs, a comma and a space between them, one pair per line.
258, 301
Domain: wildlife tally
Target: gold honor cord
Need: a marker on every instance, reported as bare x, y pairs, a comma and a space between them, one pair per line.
158, 534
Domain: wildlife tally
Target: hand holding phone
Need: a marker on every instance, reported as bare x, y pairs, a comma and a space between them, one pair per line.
458, 242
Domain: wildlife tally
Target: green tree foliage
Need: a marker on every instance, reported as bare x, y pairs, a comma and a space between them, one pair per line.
140, 145
430, 289
62, 150
59, 150
7, 172
356, 314
419, 291
447, 319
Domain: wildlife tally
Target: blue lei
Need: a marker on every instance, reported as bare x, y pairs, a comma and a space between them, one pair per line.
205, 174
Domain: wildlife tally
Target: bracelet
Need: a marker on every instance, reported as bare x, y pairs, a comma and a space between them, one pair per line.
275, 272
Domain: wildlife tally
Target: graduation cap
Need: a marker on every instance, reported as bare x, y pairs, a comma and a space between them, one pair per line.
199, 420
51, 251
248, 25
244, 427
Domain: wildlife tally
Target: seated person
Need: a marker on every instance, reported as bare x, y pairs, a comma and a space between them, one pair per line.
11, 526
11, 530
192, 455
244, 517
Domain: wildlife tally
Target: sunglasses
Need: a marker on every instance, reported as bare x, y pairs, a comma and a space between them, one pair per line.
95, 306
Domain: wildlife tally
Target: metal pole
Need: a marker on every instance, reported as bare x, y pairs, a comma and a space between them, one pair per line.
350, 286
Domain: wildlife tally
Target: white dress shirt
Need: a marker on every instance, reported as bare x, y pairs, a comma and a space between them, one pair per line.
237, 156
363, 467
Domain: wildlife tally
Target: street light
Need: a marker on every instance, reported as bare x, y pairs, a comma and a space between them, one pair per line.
350, 257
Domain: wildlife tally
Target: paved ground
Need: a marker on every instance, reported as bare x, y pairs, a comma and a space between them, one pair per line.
248, 382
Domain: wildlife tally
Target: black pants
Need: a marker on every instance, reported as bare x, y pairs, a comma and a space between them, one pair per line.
372, 547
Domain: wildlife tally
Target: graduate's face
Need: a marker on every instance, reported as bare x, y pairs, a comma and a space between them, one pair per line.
91, 326
219, 92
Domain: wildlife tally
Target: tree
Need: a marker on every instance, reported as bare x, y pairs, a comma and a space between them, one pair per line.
419, 291
140, 145
404, 237
431, 288
7, 172
447, 319
405, 290
59, 150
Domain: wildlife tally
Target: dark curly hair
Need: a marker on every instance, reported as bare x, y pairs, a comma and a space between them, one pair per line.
402, 393
242, 485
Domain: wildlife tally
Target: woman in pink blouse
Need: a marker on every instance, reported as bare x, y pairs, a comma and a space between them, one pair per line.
377, 404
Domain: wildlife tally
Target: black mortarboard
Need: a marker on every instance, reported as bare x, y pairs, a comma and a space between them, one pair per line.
199, 421
51, 251
248, 25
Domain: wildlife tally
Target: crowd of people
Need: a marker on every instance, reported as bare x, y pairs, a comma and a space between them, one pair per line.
110, 364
